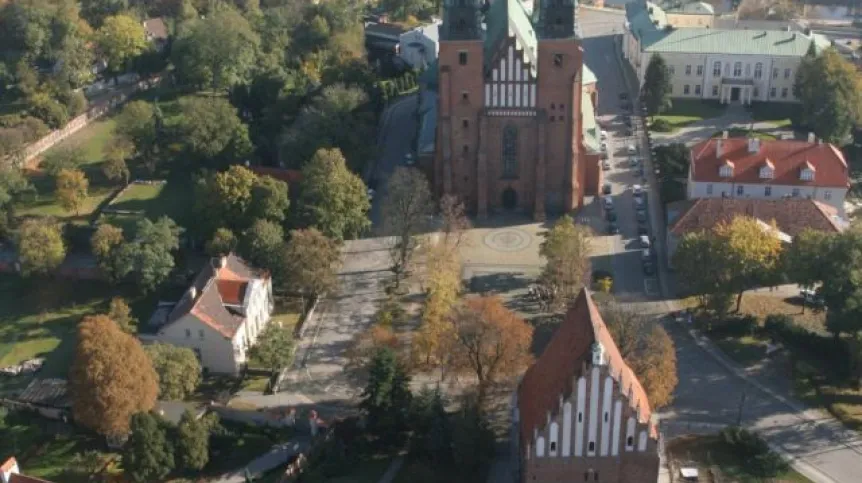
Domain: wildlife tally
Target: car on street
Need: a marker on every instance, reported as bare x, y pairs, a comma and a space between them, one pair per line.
633, 162
637, 190
371, 193
643, 229
646, 255
608, 203
603, 135
409, 160
613, 228
811, 297
606, 164
631, 149
628, 121
624, 96
644, 241
640, 203
604, 146
626, 106
641, 216
611, 216
606, 189
649, 268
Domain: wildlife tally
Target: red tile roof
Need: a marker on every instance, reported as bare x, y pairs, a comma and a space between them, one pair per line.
553, 373
787, 156
9, 464
791, 216
232, 291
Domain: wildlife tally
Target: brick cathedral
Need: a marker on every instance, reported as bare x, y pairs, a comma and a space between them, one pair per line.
510, 131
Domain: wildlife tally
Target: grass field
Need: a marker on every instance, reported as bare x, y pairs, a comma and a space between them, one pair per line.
685, 112
778, 113
92, 139
706, 452
746, 350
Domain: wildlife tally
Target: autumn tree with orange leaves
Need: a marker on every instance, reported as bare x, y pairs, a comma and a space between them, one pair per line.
490, 341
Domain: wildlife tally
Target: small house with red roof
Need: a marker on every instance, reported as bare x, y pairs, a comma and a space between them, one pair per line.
220, 315
11, 473
580, 412
762, 169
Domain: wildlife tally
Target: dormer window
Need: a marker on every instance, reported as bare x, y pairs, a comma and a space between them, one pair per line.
767, 171
726, 170
807, 172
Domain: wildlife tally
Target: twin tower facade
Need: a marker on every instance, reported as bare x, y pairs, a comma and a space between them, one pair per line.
509, 125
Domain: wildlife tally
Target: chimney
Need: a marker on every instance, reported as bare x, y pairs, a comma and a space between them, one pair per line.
222, 262
719, 148
819, 140
753, 145
811, 138
193, 292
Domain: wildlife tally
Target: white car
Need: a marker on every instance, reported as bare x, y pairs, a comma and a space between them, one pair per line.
603, 134
631, 149
370, 194
644, 241
409, 160
637, 190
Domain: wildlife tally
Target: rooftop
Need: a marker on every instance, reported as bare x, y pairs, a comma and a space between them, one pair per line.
46, 392
567, 354
505, 18
791, 216
738, 42
591, 128
788, 158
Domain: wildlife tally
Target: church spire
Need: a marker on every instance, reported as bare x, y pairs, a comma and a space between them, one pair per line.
555, 19
461, 20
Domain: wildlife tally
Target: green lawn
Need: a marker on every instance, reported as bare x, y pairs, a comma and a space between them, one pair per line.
778, 113
92, 140
31, 439
173, 199
685, 112
710, 451
45, 203
137, 197
746, 350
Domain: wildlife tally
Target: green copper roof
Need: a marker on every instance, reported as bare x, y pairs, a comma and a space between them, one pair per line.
505, 17
645, 18
589, 77
742, 42
590, 126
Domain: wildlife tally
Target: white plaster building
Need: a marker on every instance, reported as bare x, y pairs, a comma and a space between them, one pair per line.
580, 410
726, 65
419, 47
219, 316
753, 168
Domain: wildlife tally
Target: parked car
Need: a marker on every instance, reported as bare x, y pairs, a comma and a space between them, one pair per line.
409, 160
628, 121
606, 189
644, 241
608, 203
633, 162
643, 230
611, 216
604, 146
637, 190
631, 149
606, 164
646, 255
370, 194
649, 268
613, 228
811, 297
603, 134
641, 216
640, 203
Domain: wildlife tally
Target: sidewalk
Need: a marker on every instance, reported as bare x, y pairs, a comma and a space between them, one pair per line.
277, 456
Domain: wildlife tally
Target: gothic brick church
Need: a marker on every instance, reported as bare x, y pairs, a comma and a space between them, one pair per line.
580, 412
510, 131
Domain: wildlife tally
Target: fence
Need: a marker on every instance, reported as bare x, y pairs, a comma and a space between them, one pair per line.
94, 112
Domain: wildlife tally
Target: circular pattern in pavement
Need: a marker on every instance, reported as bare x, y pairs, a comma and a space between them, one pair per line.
507, 240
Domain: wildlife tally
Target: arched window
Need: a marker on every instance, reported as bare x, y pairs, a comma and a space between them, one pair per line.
510, 152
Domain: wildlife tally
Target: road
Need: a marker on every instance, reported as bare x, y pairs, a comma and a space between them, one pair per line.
711, 391
397, 129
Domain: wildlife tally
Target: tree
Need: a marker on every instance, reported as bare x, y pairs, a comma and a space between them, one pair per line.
147, 455
406, 209
40, 247
192, 444
274, 347
136, 122
71, 186
647, 349
803, 260
111, 377
121, 314
442, 282
216, 52
490, 341
222, 243
406, 9
58, 159
365, 345
830, 91
432, 432
95, 11
149, 257
104, 244
227, 196
386, 397
454, 220
566, 249
472, 438
116, 153
263, 245
656, 88
337, 118
212, 130
333, 199
269, 199
120, 39
178, 369
310, 262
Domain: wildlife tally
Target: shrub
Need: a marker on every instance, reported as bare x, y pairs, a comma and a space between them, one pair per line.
49, 110
830, 350
754, 452
661, 125
736, 326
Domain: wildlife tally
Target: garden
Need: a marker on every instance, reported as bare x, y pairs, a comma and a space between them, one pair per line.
685, 112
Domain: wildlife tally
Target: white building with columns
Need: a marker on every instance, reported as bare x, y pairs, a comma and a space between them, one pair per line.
725, 65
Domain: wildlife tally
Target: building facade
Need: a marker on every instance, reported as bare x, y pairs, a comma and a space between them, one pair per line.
761, 169
725, 65
580, 412
509, 129
220, 316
